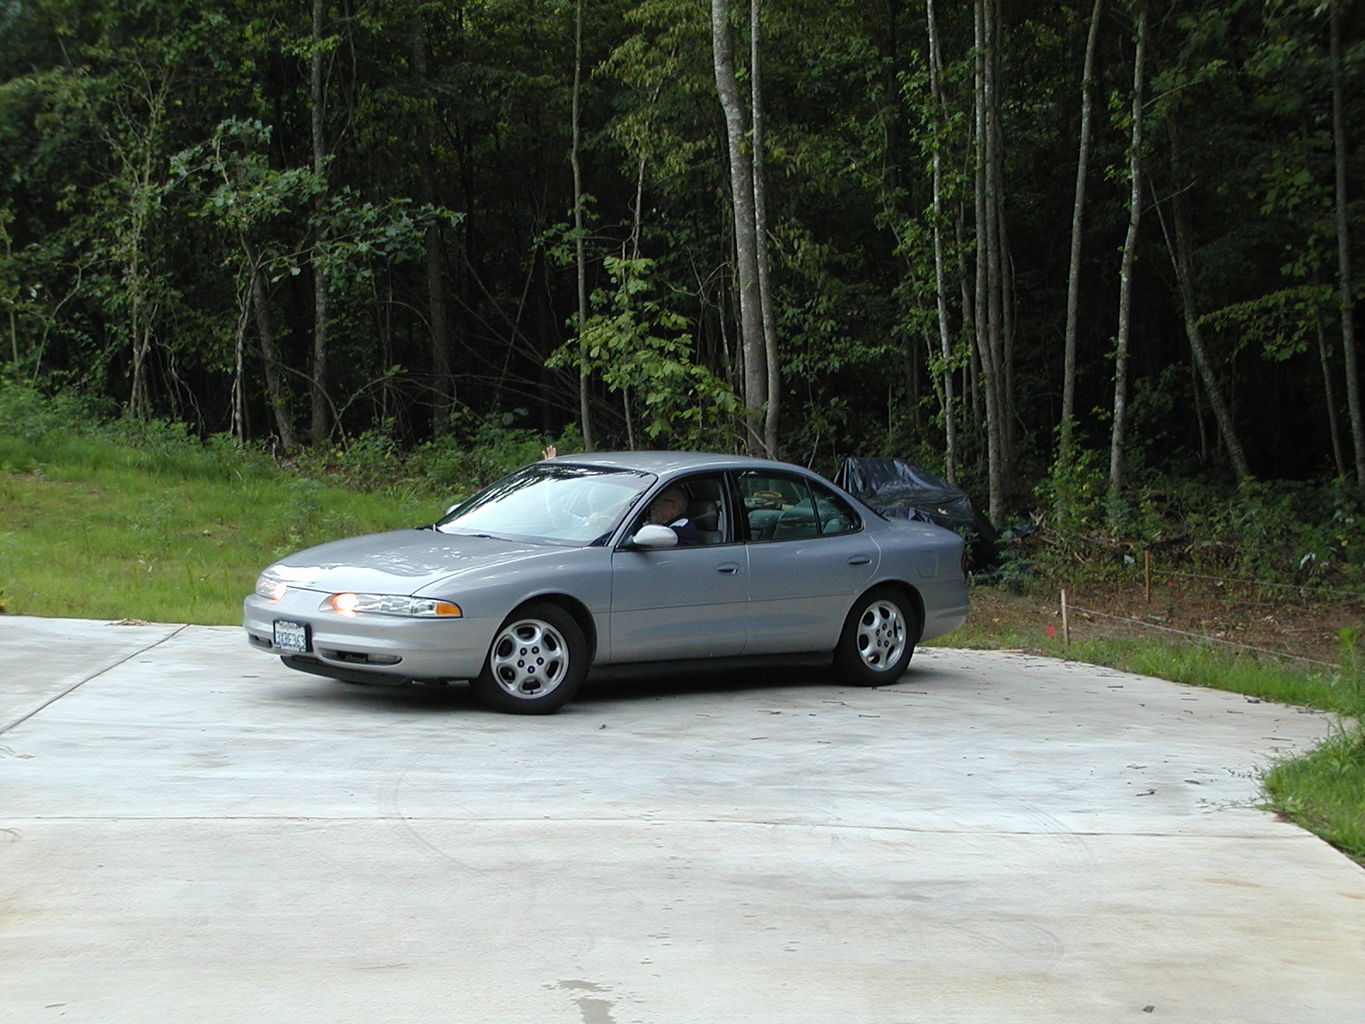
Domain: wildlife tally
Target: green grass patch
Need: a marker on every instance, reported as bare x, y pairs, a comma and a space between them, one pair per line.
97, 530
1286, 681
1322, 791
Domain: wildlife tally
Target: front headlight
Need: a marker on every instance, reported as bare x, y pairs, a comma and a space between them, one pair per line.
274, 580
270, 586
391, 604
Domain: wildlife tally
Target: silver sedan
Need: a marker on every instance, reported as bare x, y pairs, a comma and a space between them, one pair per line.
611, 559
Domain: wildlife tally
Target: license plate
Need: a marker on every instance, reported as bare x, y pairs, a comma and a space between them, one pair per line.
291, 636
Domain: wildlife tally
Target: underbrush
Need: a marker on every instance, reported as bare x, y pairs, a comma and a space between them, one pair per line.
1306, 533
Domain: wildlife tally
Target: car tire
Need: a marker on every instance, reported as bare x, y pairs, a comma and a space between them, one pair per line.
536, 663
878, 638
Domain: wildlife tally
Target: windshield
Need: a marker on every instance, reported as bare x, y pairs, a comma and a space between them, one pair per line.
552, 502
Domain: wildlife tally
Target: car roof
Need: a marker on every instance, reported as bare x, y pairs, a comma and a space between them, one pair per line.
665, 462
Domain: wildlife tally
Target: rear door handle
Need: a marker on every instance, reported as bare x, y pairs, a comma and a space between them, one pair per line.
860, 560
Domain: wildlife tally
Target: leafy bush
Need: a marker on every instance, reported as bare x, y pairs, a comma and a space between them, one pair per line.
1269, 530
478, 453
37, 429
32, 417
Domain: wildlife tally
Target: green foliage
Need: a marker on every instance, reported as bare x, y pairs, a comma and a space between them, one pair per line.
1273, 531
157, 156
37, 419
1281, 324
470, 453
1278, 530
1076, 490
479, 451
643, 351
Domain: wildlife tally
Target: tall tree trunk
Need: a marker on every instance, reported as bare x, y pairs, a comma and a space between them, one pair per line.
1330, 398
270, 355
1183, 266
438, 306
13, 314
320, 427
770, 354
1345, 288
580, 253
746, 243
971, 390
989, 298
133, 140
1073, 277
940, 273
238, 397
1120, 424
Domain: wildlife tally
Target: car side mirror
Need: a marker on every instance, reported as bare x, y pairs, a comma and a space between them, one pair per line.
652, 535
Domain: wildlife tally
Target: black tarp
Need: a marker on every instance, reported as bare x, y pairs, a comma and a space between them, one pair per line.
898, 489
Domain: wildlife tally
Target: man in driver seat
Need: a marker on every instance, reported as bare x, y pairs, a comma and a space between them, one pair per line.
667, 510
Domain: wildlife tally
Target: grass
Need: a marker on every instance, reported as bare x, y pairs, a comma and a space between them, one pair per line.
94, 530
164, 528
1322, 791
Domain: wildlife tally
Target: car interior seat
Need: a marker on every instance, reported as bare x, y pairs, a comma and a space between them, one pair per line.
796, 522
704, 509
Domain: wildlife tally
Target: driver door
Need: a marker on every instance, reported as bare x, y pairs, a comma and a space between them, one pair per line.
681, 602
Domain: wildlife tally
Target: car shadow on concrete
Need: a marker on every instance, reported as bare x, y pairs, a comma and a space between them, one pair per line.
604, 687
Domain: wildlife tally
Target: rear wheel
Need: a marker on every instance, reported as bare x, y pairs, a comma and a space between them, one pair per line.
878, 639
536, 663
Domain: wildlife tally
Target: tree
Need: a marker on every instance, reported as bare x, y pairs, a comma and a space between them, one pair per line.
990, 312
940, 272
321, 414
438, 304
643, 351
1179, 246
243, 195
745, 224
1345, 283
1066, 429
580, 253
772, 360
1118, 434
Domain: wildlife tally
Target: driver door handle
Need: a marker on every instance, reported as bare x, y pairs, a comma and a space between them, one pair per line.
728, 568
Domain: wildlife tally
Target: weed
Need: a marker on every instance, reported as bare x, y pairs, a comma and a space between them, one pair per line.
1322, 790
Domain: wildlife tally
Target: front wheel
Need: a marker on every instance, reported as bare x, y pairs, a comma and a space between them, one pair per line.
536, 663
878, 639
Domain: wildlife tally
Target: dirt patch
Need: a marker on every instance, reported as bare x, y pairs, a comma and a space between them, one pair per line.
1281, 619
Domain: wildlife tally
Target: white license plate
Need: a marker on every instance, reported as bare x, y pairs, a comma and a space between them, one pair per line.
291, 636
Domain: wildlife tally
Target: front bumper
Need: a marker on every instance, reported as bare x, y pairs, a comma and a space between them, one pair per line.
370, 647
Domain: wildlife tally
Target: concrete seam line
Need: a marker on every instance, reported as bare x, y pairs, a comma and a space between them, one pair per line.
93, 675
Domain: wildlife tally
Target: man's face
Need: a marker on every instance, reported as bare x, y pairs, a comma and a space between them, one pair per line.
666, 508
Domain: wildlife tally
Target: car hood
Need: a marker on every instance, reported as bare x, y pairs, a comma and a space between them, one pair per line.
406, 561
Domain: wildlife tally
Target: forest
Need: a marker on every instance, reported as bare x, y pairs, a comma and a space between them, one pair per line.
1056, 248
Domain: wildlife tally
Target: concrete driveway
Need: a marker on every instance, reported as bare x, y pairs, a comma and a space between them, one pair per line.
190, 832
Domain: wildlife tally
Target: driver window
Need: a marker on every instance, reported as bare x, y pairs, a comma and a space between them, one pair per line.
782, 507
694, 508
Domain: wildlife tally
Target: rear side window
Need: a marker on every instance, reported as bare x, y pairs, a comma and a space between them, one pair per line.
780, 506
